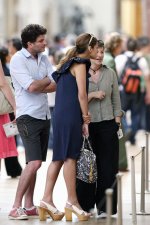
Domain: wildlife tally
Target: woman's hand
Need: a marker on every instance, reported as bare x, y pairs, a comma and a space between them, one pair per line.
87, 118
100, 95
85, 130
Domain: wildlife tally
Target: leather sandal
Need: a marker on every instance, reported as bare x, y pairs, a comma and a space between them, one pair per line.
81, 214
45, 208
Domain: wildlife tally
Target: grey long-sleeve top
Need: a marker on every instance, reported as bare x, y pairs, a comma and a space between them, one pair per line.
110, 106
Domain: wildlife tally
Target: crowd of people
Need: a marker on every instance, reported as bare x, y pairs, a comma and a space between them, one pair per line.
74, 88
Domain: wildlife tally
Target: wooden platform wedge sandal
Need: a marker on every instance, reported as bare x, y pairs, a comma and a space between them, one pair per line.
46, 208
81, 214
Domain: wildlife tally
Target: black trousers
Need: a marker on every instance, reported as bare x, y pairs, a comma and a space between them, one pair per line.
148, 118
105, 143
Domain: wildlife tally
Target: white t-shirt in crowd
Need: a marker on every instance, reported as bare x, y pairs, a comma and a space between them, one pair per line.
121, 60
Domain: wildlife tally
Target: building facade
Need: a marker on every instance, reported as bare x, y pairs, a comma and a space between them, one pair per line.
58, 16
75, 16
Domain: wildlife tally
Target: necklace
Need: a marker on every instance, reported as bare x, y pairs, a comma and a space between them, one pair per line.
94, 71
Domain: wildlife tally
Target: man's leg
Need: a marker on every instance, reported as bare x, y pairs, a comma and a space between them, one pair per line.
32, 132
28, 203
125, 105
26, 184
27, 177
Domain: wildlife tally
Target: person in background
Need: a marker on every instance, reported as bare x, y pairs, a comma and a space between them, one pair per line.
7, 145
13, 167
134, 101
113, 47
147, 57
14, 45
143, 51
31, 75
57, 55
71, 121
105, 110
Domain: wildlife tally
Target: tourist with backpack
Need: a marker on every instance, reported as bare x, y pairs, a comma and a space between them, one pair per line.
133, 72
144, 50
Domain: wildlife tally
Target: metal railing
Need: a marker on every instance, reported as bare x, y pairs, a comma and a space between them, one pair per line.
109, 195
133, 186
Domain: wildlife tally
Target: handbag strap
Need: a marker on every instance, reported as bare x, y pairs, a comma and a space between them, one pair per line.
88, 142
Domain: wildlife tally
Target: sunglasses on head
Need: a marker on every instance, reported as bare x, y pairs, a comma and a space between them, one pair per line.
92, 36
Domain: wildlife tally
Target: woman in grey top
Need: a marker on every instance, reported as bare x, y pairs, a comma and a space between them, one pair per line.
105, 109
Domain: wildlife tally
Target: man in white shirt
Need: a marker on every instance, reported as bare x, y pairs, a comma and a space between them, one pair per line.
31, 75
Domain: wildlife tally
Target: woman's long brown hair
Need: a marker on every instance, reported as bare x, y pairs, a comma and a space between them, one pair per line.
82, 42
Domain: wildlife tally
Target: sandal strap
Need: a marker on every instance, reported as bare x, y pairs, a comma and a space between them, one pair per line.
50, 207
77, 210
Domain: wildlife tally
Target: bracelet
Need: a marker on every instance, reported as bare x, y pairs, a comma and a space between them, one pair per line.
119, 124
85, 116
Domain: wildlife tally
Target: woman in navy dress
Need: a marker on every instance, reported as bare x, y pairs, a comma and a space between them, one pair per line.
71, 121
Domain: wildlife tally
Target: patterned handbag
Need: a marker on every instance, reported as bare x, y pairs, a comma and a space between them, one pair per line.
86, 163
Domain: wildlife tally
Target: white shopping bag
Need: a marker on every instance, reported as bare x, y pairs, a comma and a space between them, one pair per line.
10, 129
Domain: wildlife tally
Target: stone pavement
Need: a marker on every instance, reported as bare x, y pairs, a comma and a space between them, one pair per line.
8, 189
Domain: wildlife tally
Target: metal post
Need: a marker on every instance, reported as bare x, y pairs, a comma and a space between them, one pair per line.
133, 191
147, 163
109, 193
119, 193
142, 205
142, 202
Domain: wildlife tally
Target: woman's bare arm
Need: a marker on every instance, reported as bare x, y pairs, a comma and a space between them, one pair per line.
4, 86
80, 74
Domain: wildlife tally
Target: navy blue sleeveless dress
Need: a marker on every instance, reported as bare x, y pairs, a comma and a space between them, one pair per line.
67, 126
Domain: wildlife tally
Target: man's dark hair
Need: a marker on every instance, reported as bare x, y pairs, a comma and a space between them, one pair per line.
132, 44
143, 41
31, 32
17, 44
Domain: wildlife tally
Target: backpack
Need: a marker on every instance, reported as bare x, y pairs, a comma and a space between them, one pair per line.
131, 76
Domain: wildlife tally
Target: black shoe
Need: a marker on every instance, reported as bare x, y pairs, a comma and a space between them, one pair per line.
132, 143
101, 215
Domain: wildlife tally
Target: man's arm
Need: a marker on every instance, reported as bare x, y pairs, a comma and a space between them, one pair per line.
39, 85
50, 88
45, 85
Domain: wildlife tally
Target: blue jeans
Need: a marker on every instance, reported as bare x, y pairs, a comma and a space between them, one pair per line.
134, 103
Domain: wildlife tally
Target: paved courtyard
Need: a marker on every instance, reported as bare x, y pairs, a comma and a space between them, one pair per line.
8, 189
